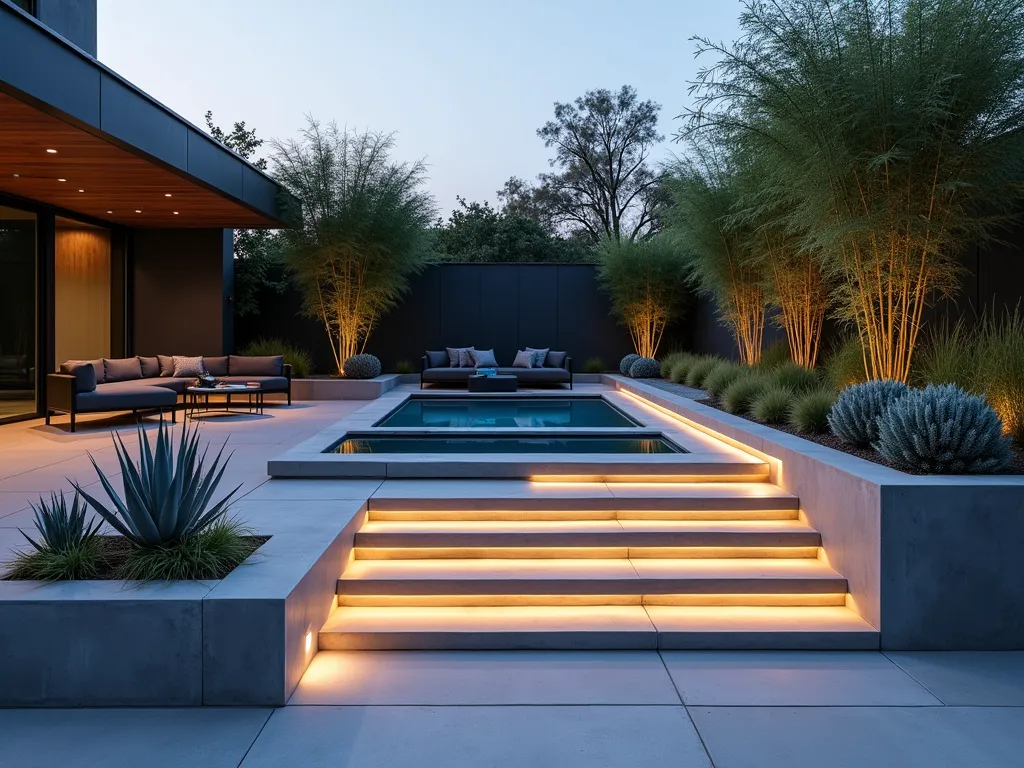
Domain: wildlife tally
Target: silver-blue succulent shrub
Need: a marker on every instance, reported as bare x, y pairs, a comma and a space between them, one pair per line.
854, 416
943, 430
62, 529
166, 495
645, 368
626, 362
361, 367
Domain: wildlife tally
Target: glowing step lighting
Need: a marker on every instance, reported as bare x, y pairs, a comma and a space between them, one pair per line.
581, 514
447, 553
714, 599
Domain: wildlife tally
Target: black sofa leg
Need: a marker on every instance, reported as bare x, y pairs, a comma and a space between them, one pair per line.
47, 417
174, 414
72, 421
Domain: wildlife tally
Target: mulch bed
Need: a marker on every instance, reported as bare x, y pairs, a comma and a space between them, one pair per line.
116, 549
1015, 467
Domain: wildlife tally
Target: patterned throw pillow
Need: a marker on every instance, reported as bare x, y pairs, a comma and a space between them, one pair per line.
188, 367
524, 359
458, 357
539, 355
484, 358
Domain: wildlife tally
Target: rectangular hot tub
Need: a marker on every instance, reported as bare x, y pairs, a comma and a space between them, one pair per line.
426, 444
496, 412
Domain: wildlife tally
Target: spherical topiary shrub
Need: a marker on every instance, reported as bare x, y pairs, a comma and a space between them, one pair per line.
810, 410
626, 362
645, 368
943, 430
854, 417
361, 367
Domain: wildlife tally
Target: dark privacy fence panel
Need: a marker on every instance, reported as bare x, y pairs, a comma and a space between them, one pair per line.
501, 306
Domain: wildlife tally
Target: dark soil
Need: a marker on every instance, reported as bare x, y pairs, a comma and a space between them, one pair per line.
116, 549
1015, 467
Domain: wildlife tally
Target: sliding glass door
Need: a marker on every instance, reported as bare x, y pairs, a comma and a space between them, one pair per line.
18, 325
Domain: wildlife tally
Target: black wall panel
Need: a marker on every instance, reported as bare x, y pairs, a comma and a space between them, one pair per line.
498, 328
74, 20
460, 305
537, 306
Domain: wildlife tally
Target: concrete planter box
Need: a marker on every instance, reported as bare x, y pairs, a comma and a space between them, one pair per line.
238, 641
346, 389
933, 562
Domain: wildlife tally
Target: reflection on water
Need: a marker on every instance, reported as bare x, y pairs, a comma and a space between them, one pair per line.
423, 444
508, 413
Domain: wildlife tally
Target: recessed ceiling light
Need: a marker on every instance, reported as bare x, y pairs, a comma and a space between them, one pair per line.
81, 190
61, 179
51, 151
109, 211
167, 194
175, 213
17, 175
137, 210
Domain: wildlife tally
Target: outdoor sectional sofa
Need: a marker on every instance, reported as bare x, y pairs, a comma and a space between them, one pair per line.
147, 383
436, 369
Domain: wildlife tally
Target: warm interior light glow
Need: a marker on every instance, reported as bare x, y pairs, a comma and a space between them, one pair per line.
309, 641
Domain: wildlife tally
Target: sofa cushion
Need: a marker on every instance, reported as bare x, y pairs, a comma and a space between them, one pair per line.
167, 382
185, 367
483, 358
166, 365
216, 366
447, 374
458, 357
539, 356
150, 367
268, 383
85, 376
556, 359
437, 359
537, 375
524, 359
121, 369
269, 365
97, 367
122, 396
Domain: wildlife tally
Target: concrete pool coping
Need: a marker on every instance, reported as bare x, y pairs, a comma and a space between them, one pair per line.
707, 458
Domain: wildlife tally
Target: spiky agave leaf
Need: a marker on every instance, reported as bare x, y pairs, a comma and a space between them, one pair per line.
167, 494
61, 529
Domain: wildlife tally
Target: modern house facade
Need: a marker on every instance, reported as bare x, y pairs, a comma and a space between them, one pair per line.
116, 214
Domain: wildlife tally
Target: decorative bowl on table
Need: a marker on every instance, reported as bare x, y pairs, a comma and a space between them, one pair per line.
206, 381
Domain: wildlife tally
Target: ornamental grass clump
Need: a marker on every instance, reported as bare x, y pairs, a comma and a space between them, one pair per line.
844, 366
950, 354
167, 513
593, 365
670, 360
699, 371
66, 548
722, 375
774, 355
943, 430
626, 362
809, 412
740, 395
772, 406
854, 417
795, 377
1001, 371
299, 359
645, 368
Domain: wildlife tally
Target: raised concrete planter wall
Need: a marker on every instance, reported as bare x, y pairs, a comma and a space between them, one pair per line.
932, 562
238, 641
348, 389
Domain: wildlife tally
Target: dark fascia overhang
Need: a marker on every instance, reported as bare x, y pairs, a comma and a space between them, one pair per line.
44, 69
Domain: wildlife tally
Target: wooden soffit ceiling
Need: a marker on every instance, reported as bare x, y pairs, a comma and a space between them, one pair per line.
92, 176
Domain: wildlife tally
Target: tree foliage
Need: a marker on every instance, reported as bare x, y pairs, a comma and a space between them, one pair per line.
476, 232
362, 231
893, 135
603, 184
646, 281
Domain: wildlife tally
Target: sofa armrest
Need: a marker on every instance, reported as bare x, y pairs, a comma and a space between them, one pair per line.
424, 364
286, 369
61, 390
568, 364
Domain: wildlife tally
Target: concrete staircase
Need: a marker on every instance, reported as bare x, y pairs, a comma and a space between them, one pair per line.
514, 564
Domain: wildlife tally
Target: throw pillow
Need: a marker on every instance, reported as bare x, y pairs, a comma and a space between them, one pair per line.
556, 359
483, 358
166, 365
524, 359
97, 367
216, 366
188, 367
150, 367
125, 369
85, 376
267, 365
539, 355
438, 359
458, 357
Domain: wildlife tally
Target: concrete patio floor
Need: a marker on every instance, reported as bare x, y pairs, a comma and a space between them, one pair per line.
475, 709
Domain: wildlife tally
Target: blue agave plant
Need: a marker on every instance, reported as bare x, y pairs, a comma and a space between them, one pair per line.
61, 529
854, 417
943, 430
166, 496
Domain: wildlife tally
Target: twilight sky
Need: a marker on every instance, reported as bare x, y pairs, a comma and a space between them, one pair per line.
465, 83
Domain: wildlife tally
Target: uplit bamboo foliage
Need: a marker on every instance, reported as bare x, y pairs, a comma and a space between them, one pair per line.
895, 130
704, 195
361, 231
646, 281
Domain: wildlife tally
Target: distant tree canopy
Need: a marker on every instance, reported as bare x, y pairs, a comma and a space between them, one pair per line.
254, 248
602, 184
476, 232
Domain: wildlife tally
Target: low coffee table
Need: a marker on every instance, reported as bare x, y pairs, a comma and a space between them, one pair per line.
501, 383
197, 399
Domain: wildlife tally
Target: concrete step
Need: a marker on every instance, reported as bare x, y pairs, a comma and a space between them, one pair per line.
518, 500
590, 538
605, 581
596, 627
